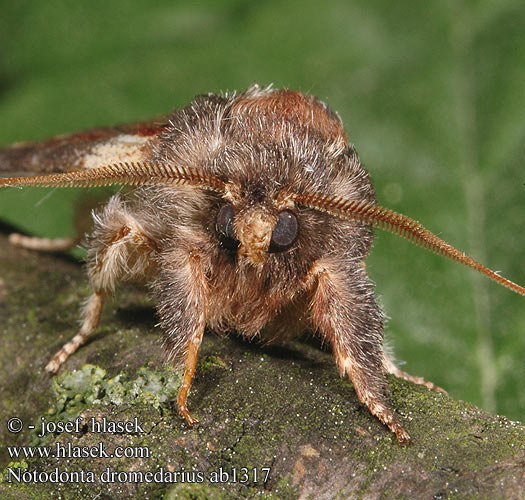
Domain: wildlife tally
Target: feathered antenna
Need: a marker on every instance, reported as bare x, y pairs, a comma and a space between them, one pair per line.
125, 173
151, 173
383, 218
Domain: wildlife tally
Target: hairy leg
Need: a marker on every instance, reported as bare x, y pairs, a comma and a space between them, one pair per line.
118, 249
182, 299
344, 312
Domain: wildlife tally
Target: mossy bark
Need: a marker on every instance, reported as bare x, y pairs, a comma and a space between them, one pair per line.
283, 408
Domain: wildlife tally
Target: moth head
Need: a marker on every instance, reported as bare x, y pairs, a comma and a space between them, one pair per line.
253, 226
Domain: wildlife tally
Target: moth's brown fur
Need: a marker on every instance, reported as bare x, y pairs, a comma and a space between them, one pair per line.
209, 238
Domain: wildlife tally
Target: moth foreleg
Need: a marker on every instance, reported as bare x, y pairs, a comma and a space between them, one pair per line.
182, 300
190, 363
118, 249
344, 312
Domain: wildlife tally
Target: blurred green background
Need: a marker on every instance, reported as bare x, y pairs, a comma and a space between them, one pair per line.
432, 94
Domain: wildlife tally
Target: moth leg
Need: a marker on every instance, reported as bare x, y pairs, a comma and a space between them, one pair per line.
344, 311
182, 298
43, 244
394, 370
118, 249
189, 371
90, 319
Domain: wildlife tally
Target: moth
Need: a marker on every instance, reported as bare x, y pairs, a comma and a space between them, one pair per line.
250, 212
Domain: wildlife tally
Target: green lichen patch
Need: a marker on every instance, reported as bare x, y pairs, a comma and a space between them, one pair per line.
73, 392
21, 464
210, 362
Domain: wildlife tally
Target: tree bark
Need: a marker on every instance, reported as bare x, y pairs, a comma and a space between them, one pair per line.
282, 408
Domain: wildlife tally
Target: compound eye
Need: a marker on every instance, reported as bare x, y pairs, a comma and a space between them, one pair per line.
224, 225
285, 232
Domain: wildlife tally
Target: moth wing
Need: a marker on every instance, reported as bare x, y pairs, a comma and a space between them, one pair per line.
82, 150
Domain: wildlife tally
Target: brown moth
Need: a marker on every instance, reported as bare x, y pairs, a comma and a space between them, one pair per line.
252, 213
